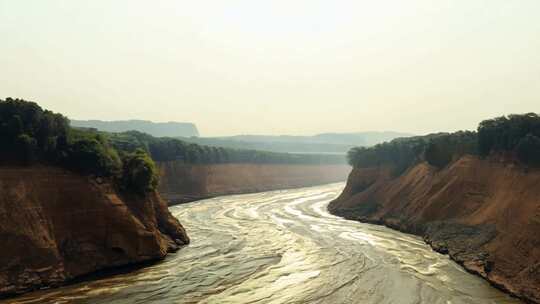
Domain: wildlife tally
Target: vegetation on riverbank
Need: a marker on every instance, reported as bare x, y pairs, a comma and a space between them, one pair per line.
169, 149
515, 136
30, 134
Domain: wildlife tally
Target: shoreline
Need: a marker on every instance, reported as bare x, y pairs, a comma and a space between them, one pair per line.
89, 277
442, 250
191, 198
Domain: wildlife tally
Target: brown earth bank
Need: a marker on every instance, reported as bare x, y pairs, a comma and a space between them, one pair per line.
182, 183
56, 226
484, 213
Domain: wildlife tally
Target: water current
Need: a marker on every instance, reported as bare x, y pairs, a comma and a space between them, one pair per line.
284, 247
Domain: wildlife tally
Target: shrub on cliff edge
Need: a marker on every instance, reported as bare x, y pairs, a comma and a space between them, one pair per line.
139, 173
92, 155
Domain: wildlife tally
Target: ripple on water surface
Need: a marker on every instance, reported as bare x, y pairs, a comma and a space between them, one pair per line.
284, 247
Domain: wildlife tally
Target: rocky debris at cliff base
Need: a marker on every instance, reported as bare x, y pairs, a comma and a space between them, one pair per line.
482, 212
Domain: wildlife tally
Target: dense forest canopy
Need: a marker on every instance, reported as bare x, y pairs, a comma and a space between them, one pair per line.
516, 136
273, 146
169, 149
400, 153
29, 134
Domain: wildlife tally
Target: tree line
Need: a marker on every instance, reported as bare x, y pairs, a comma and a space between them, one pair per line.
30, 134
515, 136
172, 149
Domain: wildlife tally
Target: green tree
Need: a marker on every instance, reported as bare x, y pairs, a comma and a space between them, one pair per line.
528, 150
503, 134
26, 147
139, 172
90, 156
443, 149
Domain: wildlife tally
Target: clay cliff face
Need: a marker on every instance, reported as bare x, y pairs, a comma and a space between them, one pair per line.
484, 213
56, 226
183, 183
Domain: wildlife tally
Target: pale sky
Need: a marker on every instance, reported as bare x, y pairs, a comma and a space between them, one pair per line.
276, 67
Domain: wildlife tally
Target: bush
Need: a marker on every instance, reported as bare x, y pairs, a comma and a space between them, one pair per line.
139, 172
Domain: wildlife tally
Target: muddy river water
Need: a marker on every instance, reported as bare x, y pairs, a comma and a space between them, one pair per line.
284, 247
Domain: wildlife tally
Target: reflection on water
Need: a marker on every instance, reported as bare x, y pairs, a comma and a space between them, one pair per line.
284, 247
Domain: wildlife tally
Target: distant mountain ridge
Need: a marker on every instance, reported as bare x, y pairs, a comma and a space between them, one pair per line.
331, 143
369, 138
157, 129
325, 143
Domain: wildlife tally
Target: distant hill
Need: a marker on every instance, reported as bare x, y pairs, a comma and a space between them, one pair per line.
357, 139
282, 147
332, 143
158, 129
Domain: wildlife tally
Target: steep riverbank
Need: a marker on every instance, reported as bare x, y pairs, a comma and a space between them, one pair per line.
56, 226
484, 213
284, 247
182, 183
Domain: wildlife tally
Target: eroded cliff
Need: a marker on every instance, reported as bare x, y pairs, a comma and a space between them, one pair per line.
56, 225
184, 182
484, 213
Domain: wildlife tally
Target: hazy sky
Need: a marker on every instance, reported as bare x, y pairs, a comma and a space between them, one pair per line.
276, 67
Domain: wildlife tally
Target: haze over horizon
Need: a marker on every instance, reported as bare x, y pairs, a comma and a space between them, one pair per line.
302, 68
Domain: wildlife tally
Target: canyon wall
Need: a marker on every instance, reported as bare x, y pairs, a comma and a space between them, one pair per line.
484, 213
183, 183
56, 226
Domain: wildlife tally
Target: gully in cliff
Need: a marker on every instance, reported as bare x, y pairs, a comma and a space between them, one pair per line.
473, 195
71, 204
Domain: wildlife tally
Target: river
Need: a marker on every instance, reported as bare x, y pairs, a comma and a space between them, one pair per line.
284, 247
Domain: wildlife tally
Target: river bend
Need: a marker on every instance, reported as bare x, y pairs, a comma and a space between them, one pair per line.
284, 247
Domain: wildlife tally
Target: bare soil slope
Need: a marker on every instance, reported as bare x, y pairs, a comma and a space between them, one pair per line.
484, 213
182, 183
56, 226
